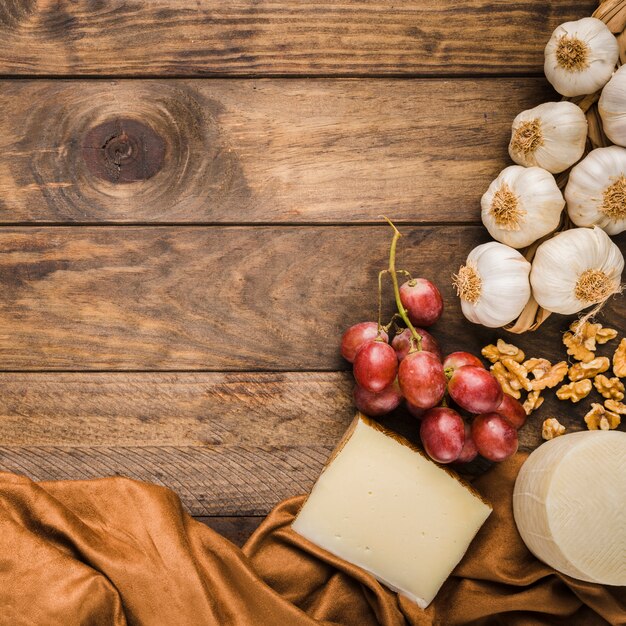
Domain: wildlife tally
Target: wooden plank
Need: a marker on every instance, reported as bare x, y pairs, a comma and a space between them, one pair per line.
254, 151
198, 298
278, 37
236, 529
228, 444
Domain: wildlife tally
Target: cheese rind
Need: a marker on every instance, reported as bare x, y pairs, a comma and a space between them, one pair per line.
569, 504
388, 509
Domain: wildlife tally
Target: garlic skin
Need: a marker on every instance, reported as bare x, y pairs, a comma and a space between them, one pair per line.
493, 284
551, 136
576, 269
521, 205
612, 107
596, 190
580, 57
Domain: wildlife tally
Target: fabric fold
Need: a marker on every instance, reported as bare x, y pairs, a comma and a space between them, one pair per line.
117, 552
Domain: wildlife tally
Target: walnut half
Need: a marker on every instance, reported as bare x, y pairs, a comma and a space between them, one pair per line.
612, 388
619, 360
502, 350
552, 428
575, 391
533, 401
598, 418
578, 371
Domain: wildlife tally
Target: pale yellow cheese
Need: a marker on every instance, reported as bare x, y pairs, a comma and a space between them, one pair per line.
570, 505
388, 509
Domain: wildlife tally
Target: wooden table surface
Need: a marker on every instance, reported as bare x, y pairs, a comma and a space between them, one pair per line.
190, 196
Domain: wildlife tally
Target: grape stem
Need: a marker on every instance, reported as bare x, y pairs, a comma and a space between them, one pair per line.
416, 338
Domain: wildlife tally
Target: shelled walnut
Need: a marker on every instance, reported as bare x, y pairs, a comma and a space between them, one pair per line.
502, 350
619, 359
575, 391
552, 428
517, 373
581, 340
598, 418
590, 369
506, 380
532, 402
612, 388
554, 376
615, 406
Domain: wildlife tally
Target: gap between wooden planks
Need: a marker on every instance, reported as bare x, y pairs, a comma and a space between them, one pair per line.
254, 151
227, 443
278, 37
216, 298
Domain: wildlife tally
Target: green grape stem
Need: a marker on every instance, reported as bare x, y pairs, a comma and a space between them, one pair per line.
416, 338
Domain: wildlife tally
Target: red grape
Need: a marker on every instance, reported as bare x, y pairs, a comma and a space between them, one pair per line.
375, 404
354, 338
459, 359
495, 436
442, 433
415, 411
422, 380
422, 301
475, 389
375, 366
470, 451
513, 411
402, 343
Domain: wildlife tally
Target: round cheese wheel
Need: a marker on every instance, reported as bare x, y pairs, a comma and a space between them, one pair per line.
569, 504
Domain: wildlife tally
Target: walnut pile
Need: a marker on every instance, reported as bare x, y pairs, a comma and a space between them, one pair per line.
518, 375
515, 373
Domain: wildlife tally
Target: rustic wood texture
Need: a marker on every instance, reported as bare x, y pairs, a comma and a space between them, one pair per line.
116, 198
221, 298
250, 151
278, 37
228, 444
237, 529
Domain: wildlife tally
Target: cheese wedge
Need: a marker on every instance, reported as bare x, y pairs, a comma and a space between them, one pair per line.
382, 505
569, 504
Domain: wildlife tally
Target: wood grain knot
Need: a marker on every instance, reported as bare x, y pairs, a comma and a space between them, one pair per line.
123, 151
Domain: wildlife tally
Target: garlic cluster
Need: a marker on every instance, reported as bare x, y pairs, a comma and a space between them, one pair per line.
493, 284
596, 190
522, 205
612, 107
576, 269
551, 136
580, 57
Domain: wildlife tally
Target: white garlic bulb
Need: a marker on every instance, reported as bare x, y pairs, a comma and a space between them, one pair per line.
580, 57
522, 205
596, 190
576, 269
612, 107
493, 284
552, 136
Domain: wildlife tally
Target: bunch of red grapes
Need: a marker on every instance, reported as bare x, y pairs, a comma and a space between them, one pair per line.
462, 408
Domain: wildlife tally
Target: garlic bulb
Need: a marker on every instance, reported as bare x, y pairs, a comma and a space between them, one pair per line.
612, 107
596, 190
522, 205
552, 136
576, 269
580, 57
493, 284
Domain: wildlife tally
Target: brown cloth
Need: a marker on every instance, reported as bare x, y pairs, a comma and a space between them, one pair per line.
114, 551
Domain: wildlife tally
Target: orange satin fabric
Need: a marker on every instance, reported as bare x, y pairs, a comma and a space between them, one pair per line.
115, 552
